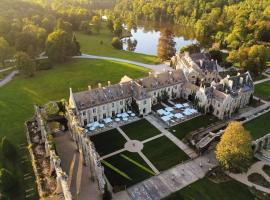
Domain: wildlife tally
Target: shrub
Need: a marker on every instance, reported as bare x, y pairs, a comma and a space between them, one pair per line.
44, 65
117, 43
7, 180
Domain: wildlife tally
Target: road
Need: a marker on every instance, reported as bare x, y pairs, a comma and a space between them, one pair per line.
8, 78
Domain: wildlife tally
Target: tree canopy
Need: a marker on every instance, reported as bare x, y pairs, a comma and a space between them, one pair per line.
234, 151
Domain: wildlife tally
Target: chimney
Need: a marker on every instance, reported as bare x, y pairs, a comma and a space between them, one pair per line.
89, 87
99, 85
109, 83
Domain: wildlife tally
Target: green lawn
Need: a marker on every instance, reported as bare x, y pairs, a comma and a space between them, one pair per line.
163, 153
259, 126
140, 130
181, 130
18, 96
126, 169
108, 142
91, 44
263, 90
205, 189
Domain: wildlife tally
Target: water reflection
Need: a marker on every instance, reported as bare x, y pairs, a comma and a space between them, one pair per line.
146, 35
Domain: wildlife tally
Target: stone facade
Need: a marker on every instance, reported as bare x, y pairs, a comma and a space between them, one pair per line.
195, 74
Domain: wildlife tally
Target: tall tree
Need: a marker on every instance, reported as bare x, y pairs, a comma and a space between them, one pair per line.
25, 64
5, 50
96, 23
166, 45
234, 151
60, 46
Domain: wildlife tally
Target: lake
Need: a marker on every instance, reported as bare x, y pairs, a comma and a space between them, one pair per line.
145, 38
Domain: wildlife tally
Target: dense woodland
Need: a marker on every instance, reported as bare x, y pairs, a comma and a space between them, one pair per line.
241, 26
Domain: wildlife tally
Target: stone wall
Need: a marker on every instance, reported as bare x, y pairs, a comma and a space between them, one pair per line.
55, 162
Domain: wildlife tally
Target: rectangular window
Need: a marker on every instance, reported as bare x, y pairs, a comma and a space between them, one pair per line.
121, 102
144, 102
84, 113
103, 107
94, 110
113, 105
95, 118
104, 116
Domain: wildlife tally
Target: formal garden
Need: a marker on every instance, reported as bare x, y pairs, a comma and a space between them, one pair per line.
125, 166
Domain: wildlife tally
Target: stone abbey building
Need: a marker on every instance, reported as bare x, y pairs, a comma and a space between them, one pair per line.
194, 75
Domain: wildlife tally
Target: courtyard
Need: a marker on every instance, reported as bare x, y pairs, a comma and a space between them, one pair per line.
134, 152
262, 90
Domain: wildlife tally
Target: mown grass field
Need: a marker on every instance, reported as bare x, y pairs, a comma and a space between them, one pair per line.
181, 130
205, 189
126, 169
259, 126
163, 153
108, 142
100, 45
18, 97
140, 130
263, 90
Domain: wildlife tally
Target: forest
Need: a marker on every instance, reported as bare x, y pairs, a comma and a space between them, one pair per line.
240, 26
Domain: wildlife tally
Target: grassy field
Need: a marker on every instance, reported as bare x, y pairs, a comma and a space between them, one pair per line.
259, 127
140, 130
126, 169
91, 44
181, 130
18, 96
263, 90
205, 189
108, 142
163, 153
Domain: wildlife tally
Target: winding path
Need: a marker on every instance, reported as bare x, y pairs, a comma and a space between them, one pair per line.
157, 68
8, 78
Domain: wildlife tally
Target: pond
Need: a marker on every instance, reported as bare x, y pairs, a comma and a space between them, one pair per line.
145, 38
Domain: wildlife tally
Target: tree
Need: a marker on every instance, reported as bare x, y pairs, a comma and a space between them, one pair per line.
117, 43
234, 150
96, 23
25, 64
76, 49
117, 27
5, 50
60, 46
85, 27
166, 45
7, 181
7, 148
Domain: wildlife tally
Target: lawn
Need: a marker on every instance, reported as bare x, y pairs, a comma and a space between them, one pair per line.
263, 90
91, 44
181, 130
126, 169
140, 130
163, 153
18, 96
108, 142
205, 189
259, 126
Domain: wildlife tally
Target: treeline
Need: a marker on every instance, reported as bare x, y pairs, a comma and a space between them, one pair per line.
28, 28
236, 25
